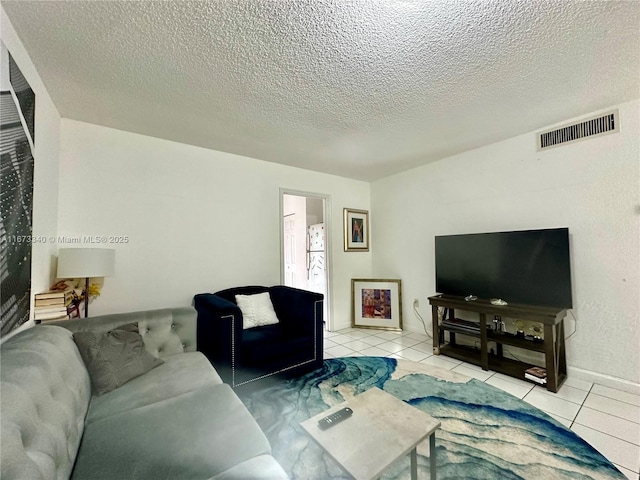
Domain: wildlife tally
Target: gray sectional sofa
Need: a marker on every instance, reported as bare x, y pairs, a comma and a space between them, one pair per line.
177, 421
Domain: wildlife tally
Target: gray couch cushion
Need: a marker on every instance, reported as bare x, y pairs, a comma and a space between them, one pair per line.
45, 393
263, 467
181, 373
114, 357
193, 436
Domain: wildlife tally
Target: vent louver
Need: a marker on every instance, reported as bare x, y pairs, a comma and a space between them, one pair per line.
571, 133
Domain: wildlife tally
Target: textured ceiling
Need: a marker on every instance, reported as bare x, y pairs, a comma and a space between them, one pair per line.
361, 89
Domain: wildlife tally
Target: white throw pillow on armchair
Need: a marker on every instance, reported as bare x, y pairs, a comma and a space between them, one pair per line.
257, 310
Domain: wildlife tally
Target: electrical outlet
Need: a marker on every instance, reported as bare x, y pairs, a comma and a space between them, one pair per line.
416, 303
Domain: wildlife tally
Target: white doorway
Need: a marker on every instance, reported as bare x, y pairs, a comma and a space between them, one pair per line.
304, 243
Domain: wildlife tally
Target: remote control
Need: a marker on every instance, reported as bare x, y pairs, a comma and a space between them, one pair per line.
334, 418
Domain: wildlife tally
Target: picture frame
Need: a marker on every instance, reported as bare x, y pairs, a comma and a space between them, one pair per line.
24, 97
356, 230
376, 303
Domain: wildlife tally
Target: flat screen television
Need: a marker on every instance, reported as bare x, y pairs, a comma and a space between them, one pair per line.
531, 267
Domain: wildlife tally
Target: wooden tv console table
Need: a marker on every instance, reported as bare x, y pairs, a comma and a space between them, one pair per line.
552, 344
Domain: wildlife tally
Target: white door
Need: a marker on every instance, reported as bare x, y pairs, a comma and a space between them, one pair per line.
295, 242
305, 251
289, 250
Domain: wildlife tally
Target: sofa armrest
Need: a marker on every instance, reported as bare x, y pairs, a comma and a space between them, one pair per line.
219, 329
298, 310
165, 331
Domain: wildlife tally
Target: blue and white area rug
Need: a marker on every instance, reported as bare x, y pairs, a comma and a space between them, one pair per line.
486, 433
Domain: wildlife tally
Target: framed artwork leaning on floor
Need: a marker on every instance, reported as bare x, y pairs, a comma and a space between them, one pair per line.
376, 303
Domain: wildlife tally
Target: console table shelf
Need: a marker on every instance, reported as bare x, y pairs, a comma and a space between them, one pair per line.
506, 339
552, 346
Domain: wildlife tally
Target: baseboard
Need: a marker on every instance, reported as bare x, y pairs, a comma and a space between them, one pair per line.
340, 326
606, 380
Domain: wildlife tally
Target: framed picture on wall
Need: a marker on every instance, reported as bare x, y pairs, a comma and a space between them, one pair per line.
356, 230
25, 97
16, 208
376, 303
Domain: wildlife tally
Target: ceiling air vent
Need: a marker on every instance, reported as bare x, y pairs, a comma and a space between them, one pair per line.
600, 125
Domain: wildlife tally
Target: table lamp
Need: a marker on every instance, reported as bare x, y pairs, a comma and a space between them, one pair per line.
85, 263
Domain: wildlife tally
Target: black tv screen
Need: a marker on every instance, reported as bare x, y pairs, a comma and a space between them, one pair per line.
530, 267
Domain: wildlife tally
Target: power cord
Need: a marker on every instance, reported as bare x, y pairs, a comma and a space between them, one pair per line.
575, 326
424, 325
509, 353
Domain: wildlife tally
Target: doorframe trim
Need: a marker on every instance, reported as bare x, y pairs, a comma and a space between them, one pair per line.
327, 243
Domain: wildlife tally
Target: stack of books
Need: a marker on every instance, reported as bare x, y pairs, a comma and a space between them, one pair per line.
536, 374
52, 305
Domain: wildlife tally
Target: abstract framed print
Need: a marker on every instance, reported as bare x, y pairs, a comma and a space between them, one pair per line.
376, 303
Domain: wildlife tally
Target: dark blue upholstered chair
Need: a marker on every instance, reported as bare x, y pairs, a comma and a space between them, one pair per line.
241, 357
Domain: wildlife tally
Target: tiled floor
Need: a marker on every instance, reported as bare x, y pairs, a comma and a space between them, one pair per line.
606, 418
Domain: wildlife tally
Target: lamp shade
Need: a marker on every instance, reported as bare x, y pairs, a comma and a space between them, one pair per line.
85, 262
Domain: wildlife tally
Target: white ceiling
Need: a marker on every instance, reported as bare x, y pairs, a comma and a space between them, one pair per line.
361, 89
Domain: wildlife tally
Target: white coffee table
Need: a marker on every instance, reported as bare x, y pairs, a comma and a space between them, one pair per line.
381, 430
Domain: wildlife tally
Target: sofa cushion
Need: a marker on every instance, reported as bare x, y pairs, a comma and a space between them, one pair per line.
263, 467
195, 435
45, 392
114, 357
257, 310
180, 373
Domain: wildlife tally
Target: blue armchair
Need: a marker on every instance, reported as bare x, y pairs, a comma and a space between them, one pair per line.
292, 346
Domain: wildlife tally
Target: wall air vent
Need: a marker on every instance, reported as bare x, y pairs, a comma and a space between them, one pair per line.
601, 125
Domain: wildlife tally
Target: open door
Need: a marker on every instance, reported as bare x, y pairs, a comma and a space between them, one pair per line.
304, 244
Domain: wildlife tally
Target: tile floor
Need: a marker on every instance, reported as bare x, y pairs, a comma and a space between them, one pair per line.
608, 419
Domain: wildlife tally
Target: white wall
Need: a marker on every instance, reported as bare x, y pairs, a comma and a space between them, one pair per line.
589, 186
197, 220
45, 154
